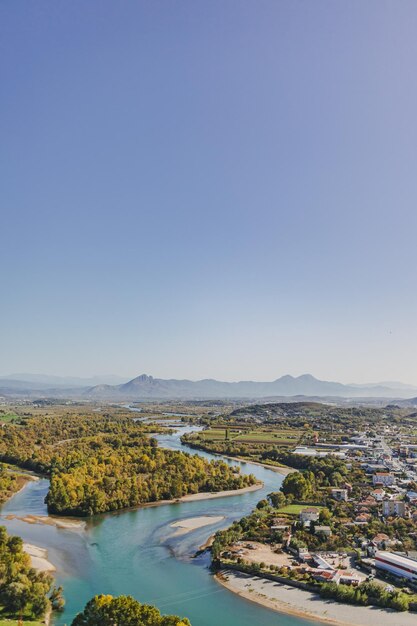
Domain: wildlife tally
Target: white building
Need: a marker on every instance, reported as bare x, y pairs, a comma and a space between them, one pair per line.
383, 478
396, 564
393, 507
310, 514
378, 494
340, 494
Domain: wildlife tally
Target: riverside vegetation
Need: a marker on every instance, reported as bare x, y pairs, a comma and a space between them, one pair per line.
100, 462
105, 610
23, 590
10, 483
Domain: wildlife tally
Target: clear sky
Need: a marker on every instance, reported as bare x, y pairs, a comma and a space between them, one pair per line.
222, 188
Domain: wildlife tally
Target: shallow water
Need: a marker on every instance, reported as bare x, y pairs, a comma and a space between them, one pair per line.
134, 552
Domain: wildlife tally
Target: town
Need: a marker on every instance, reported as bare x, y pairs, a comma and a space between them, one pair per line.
347, 518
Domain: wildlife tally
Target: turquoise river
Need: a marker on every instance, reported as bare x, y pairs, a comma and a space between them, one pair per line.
134, 552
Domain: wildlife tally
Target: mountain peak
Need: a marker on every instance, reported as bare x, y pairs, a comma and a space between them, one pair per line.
142, 378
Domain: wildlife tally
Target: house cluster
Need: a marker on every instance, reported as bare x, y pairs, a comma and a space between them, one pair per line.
328, 567
384, 495
390, 478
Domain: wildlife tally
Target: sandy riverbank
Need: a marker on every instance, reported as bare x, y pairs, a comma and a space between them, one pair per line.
58, 522
279, 470
38, 558
293, 601
207, 544
192, 523
284, 470
192, 497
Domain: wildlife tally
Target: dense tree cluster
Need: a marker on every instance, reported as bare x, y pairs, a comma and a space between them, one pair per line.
9, 483
327, 465
100, 463
124, 611
367, 593
22, 589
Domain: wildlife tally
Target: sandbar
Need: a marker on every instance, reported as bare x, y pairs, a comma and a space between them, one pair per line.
38, 558
58, 522
192, 523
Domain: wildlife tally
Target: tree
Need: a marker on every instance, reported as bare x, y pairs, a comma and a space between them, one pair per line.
21, 587
277, 499
325, 515
296, 484
124, 611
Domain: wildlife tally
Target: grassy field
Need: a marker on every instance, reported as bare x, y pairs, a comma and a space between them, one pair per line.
294, 509
8, 417
274, 436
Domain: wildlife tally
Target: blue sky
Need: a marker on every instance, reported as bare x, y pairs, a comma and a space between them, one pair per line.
219, 189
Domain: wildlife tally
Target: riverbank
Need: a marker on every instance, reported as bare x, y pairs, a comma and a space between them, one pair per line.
48, 520
279, 469
39, 558
307, 605
204, 495
22, 479
283, 470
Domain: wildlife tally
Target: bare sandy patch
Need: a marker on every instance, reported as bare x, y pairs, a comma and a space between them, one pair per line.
58, 522
192, 523
38, 558
255, 552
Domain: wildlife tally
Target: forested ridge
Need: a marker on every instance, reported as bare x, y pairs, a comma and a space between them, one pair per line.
98, 463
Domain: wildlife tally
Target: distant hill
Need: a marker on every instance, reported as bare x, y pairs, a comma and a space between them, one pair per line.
409, 402
40, 381
147, 387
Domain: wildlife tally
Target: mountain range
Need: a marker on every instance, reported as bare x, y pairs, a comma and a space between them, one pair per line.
45, 380
146, 387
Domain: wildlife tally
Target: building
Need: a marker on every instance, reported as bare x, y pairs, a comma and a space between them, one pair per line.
412, 496
408, 450
326, 576
393, 507
310, 514
340, 494
349, 578
304, 555
381, 541
325, 530
401, 566
383, 478
378, 494
322, 563
368, 503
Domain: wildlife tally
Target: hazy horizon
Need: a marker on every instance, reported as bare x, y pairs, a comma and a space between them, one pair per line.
209, 190
119, 378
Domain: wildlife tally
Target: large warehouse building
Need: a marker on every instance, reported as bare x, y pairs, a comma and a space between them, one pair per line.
396, 564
